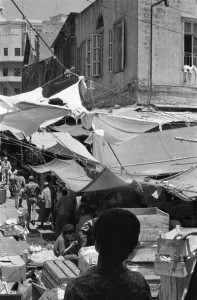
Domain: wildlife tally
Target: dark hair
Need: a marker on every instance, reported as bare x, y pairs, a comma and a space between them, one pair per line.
68, 229
64, 192
116, 234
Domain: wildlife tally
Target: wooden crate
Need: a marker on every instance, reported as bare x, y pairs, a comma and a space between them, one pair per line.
174, 268
152, 221
173, 288
167, 245
58, 272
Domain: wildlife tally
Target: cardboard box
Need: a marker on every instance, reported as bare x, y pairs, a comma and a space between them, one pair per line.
34, 292
152, 221
12, 268
169, 245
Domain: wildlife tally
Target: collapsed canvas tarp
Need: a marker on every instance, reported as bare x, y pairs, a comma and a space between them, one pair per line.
184, 182
106, 180
70, 172
62, 143
117, 129
150, 153
72, 97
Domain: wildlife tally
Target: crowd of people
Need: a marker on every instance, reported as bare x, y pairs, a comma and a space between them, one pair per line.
77, 222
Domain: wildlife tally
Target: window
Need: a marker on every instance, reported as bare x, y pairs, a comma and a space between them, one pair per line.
96, 54
5, 51
119, 46
88, 58
83, 58
78, 69
190, 44
110, 50
5, 71
5, 91
17, 91
17, 72
17, 51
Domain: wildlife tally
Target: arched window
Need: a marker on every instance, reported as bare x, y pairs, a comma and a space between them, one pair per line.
100, 22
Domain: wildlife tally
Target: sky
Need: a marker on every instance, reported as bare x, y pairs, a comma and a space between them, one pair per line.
41, 9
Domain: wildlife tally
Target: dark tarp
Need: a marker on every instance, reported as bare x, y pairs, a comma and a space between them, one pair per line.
106, 180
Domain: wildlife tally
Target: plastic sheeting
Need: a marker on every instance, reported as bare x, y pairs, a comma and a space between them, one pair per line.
150, 153
70, 172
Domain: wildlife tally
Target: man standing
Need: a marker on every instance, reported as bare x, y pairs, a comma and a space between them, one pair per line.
46, 201
5, 169
32, 190
63, 206
21, 181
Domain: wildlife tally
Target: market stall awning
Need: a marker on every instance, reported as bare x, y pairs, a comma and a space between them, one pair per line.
62, 143
150, 153
72, 96
106, 180
70, 172
185, 182
74, 130
116, 129
30, 116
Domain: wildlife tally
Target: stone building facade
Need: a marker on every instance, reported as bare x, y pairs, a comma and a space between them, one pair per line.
110, 45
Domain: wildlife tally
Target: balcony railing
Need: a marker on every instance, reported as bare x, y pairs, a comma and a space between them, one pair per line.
11, 58
190, 59
10, 78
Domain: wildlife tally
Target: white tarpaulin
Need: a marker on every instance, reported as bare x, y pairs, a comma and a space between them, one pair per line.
72, 97
69, 171
116, 129
30, 116
62, 143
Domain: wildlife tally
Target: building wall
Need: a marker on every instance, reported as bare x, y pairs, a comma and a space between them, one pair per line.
168, 45
112, 11
11, 37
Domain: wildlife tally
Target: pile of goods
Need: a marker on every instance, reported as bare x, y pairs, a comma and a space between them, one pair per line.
175, 261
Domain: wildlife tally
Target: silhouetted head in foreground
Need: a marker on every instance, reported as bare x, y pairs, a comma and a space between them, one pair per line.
116, 234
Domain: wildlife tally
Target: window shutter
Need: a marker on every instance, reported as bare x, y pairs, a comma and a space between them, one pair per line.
123, 44
96, 54
88, 58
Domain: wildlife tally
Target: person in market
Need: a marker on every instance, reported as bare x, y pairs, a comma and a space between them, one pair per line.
22, 184
85, 224
116, 235
45, 198
32, 191
63, 206
14, 188
5, 170
53, 201
66, 244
